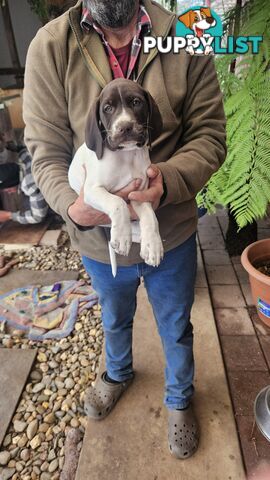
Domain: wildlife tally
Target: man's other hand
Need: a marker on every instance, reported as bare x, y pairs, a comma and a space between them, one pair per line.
155, 189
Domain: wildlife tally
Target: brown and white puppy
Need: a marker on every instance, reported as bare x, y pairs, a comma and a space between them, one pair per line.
120, 128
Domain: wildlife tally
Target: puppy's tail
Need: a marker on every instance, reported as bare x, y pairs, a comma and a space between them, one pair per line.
113, 259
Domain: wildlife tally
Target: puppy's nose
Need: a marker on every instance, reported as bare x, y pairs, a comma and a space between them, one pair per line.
210, 20
125, 127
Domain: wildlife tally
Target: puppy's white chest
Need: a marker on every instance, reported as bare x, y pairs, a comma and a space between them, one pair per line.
114, 171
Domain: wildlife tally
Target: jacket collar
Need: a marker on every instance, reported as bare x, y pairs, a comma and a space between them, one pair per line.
93, 52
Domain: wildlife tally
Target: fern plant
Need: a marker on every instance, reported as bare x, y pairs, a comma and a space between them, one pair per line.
243, 181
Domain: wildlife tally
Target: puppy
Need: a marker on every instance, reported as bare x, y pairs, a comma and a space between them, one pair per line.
122, 124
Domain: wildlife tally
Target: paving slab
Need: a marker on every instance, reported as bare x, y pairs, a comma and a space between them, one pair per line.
221, 275
23, 278
235, 350
255, 447
244, 387
234, 321
224, 296
131, 443
13, 234
15, 367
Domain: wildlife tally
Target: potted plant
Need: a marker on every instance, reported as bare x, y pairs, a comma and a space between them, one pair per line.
256, 261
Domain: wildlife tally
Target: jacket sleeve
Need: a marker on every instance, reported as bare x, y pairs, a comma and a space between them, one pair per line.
203, 143
48, 135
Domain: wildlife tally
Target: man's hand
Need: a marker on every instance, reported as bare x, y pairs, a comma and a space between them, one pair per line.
85, 215
155, 190
4, 216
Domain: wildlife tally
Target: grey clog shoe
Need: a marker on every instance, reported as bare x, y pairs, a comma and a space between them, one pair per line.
100, 399
183, 433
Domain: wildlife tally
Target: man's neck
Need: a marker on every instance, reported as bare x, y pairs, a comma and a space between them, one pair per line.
119, 37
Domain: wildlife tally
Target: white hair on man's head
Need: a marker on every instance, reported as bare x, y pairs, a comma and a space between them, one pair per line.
113, 15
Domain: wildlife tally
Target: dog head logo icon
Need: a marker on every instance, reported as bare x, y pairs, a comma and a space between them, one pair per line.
199, 25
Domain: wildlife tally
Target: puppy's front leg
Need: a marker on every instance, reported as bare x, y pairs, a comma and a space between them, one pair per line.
151, 243
99, 198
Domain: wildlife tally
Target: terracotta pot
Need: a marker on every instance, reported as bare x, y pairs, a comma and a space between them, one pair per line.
260, 284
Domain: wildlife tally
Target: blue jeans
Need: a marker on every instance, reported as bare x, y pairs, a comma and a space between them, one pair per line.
170, 289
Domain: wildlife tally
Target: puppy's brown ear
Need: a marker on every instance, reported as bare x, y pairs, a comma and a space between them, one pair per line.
93, 134
154, 121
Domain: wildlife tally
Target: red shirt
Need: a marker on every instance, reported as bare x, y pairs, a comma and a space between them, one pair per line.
122, 55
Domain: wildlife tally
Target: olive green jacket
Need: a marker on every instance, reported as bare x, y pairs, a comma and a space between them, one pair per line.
66, 70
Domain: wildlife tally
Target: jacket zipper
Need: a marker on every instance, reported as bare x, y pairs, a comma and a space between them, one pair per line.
90, 65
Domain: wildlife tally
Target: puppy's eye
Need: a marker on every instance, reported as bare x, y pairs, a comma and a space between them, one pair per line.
203, 16
107, 108
136, 102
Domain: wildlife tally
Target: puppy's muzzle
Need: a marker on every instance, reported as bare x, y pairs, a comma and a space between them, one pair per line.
128, 132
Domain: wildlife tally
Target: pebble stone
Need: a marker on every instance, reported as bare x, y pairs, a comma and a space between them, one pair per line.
19, 426
32, 429
53, 465
7, 473
4, 457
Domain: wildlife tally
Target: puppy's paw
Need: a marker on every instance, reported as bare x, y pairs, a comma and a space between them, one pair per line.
121, 240
152, 250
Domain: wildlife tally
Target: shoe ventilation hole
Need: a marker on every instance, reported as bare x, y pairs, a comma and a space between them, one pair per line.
184, 425
170, 447
99, 413
175, 425
185, 453
180, 429
175, 433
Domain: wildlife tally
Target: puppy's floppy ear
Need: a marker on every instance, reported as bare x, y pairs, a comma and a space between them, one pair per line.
93, 135
154, 121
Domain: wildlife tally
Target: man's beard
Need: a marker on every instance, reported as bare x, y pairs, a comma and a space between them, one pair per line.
110, 14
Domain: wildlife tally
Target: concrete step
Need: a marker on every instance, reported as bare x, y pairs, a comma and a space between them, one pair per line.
131, 443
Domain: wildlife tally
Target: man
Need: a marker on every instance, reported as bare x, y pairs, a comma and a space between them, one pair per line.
69, 62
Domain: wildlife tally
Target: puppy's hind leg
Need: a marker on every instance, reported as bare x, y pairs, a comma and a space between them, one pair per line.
151, 243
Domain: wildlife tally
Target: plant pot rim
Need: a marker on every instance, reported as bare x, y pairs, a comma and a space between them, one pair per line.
248, 265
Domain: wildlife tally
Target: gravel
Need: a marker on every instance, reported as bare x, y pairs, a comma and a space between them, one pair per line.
52, 402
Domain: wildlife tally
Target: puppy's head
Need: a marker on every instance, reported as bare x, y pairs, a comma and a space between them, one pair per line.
125, 116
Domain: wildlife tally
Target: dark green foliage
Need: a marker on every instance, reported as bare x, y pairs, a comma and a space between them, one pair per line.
243, 182
39, 7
